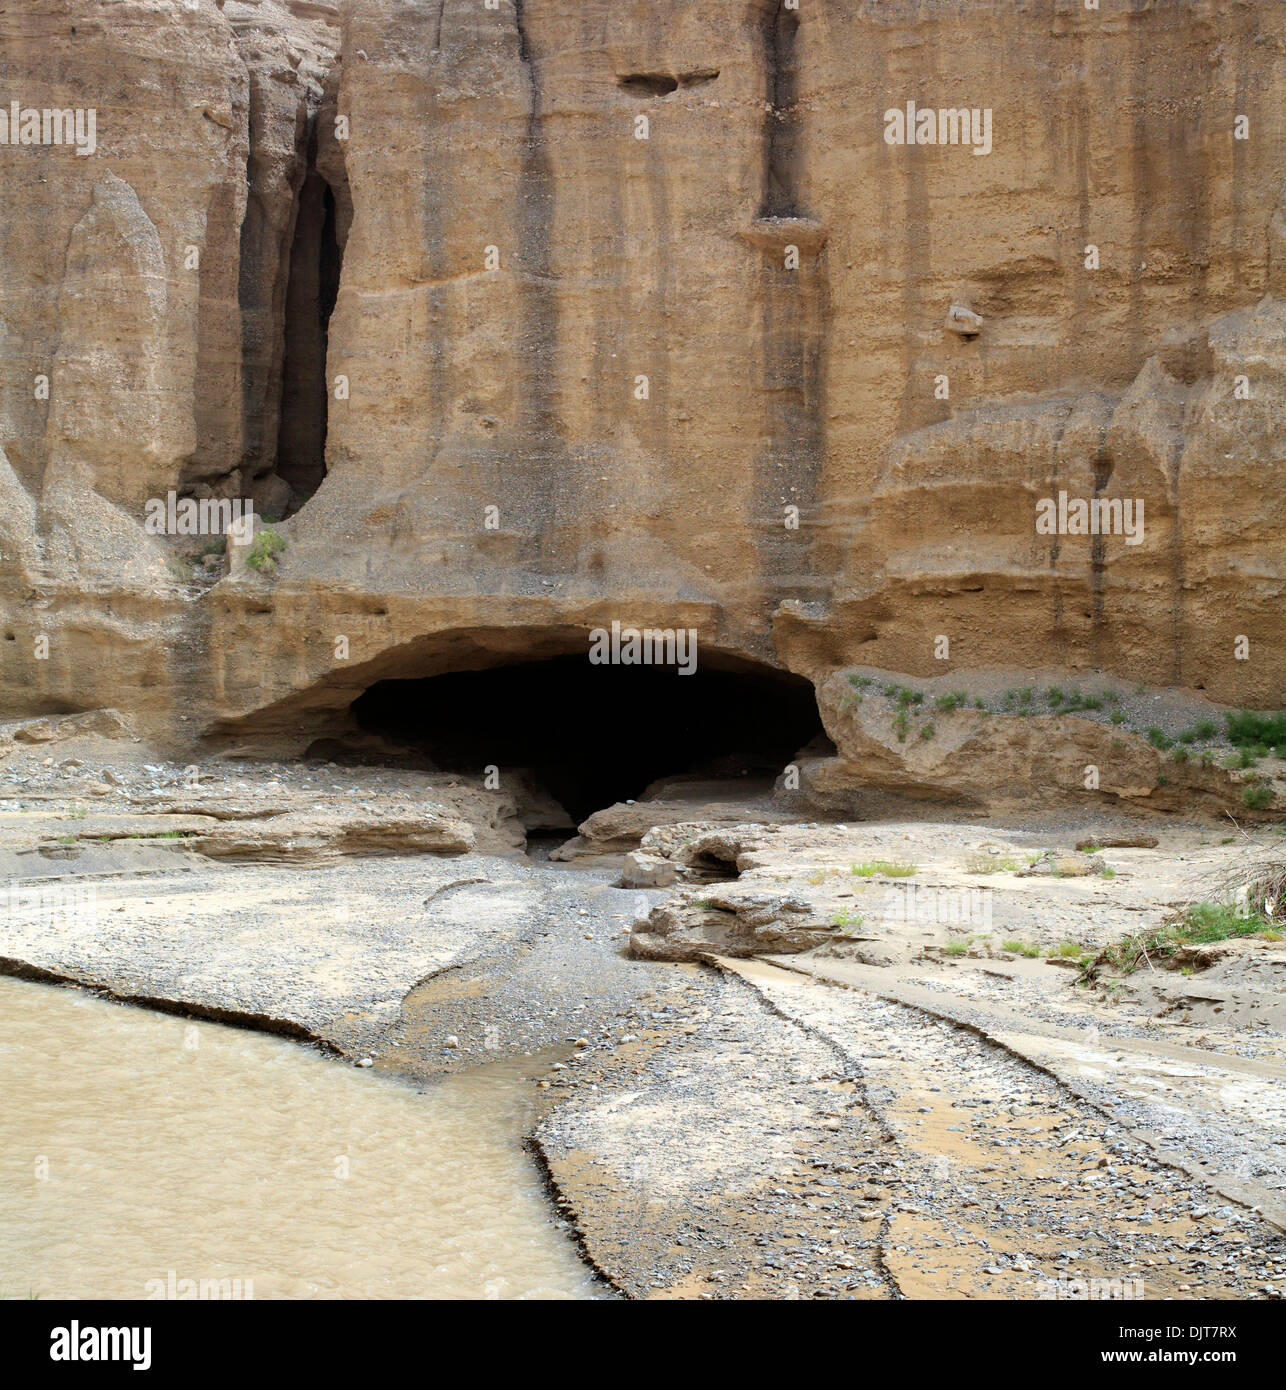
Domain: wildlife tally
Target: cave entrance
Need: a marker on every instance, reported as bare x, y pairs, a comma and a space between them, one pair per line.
594, 735
311, 290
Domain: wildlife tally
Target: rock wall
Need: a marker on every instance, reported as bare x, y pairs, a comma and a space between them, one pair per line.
639, 315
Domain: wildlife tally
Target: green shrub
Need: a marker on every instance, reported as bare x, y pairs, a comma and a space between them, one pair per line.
1257, 797
1158, 739
263, 553
1200, 924
1251, 727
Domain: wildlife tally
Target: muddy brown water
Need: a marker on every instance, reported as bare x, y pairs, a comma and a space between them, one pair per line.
140, 1150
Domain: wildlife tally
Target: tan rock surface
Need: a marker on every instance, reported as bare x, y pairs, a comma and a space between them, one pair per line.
427, 142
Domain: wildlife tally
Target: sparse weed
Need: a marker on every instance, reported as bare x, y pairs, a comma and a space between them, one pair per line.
1022, 948
990, 864
888, 868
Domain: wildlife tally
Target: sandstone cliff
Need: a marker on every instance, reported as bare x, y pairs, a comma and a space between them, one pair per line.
407, 274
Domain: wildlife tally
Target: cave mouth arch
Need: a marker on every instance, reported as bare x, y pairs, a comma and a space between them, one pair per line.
595, 735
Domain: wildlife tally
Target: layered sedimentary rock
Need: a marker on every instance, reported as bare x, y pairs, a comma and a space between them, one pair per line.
536, 316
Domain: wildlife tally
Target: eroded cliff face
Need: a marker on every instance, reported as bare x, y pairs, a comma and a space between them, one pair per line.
533, 317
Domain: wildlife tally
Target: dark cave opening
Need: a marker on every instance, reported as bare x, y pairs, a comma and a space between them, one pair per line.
595, 735
649, 84
782, 134
311, 290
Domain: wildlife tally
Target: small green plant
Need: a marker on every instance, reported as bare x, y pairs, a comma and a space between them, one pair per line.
268, 544
861, 682
928, 730
1019, 701
956, 700
1158, 739
957, 948
1055, 695
1022, 948
1118, 716
1257, 796
1069, 950
889, 868
980, 703
846, 920
1179, 754
901, 725
1107, 871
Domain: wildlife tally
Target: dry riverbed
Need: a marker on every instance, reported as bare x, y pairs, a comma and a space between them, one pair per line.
919, 1104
